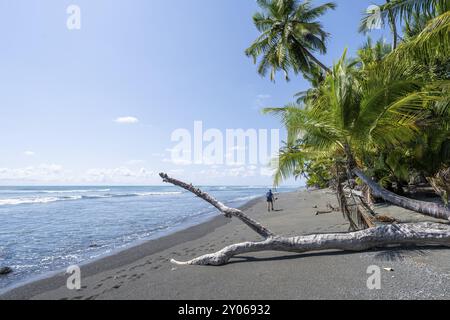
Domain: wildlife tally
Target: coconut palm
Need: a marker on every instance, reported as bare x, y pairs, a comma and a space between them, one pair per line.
290, 37
371, 52
380, 15
413, 13
350, 112
355, 115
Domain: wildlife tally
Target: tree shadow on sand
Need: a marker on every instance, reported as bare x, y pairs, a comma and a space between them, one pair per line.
383, 254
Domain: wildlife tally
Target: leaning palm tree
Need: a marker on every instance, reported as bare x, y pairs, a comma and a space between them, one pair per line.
355, 114
290, 36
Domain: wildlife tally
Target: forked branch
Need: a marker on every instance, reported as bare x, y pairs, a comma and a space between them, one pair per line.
227, 211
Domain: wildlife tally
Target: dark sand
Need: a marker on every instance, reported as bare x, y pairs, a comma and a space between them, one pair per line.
145, 271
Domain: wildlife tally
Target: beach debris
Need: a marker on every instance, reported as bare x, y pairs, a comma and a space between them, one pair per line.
378, 236
323, 212
389, 269
330, 209
5, 270
385, 219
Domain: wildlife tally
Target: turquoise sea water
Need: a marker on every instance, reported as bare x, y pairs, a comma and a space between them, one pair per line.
45, 229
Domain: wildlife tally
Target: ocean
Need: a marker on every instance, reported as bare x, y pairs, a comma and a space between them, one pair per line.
47, 229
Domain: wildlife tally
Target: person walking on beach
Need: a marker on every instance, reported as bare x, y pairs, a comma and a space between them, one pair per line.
270, 199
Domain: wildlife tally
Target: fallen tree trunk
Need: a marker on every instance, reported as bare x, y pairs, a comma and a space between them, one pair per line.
431, 209
398, 234
394, 234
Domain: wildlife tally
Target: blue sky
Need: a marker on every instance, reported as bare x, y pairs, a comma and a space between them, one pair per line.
166, 64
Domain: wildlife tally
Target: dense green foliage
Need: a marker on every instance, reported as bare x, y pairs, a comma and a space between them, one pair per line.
386, 111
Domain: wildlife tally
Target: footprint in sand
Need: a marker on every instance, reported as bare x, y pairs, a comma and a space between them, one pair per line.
133, 277
98, 286
137, 266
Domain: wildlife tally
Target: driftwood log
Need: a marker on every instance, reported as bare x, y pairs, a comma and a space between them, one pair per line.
431, 209
383, 236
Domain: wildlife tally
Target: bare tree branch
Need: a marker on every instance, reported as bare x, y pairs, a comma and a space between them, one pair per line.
228, 212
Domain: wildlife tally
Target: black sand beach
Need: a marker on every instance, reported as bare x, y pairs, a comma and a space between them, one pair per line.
145, 271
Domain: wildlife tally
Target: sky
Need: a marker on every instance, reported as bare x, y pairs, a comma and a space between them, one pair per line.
98, 105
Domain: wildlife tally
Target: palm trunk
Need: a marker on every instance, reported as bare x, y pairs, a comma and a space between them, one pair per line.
324, 67
427, 208
393, 28
351, 162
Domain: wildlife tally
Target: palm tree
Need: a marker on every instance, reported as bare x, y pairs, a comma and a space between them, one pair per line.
355, 115
372, 53
394, 11
290, 35
384, 13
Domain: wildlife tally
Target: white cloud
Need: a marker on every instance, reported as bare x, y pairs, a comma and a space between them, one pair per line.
118, 175
127, 120
43, 172
29, 153
53, 173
